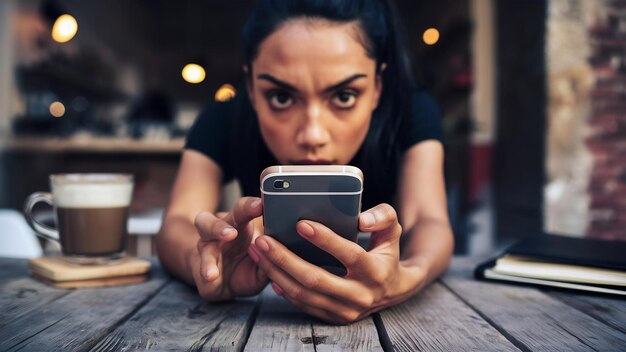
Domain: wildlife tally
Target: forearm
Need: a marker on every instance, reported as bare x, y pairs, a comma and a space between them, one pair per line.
176, 244
427, 252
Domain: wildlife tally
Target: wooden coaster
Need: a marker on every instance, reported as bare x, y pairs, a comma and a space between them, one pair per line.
56, 270
110, 281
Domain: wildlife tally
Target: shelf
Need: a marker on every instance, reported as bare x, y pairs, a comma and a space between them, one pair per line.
93, 145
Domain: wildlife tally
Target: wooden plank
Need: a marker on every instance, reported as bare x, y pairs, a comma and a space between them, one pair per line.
359, 336
177, 319
437, 320
530, 318
280, 327
283, 327
78, 320
609, 310
21, 296
11, 268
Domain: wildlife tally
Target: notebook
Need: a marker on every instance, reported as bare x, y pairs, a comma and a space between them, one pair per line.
561, 261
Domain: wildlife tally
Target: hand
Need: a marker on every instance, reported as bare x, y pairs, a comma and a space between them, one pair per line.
375, 279
222, 268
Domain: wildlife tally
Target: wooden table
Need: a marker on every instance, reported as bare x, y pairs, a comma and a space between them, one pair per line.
456, 313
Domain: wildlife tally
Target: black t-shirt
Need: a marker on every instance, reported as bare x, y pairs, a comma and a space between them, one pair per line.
229, 134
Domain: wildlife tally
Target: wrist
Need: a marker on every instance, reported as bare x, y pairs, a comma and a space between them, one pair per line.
415, 262
414, 272
410, 279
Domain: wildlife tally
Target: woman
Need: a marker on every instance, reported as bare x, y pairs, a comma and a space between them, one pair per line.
327, 82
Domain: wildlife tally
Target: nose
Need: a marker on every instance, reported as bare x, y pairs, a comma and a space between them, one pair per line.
313, 133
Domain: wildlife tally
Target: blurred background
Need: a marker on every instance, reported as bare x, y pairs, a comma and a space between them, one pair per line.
533, 96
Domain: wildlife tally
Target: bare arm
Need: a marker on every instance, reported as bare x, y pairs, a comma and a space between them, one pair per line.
208, 250
423, 211
197, 188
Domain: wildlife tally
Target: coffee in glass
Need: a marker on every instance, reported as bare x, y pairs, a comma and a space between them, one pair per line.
91, 215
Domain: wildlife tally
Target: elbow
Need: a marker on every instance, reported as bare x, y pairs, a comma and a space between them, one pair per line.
161, 240
450, 244
162, 235
451, 240
165, 241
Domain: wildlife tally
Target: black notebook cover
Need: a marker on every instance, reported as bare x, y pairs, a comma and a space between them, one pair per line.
573, 250
565, 250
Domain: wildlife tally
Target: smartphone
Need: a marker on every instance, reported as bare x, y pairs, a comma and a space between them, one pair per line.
328, 194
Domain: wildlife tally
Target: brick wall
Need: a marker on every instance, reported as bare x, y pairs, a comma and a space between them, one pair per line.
607, 121
570, 82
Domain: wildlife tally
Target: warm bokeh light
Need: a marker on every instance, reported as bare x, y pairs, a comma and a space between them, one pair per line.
193, 73
225, 93
57, 109
431, 36
64, 28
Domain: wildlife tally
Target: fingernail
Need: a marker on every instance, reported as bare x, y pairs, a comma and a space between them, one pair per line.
262, 244
210, 273
368, 219
255, 203
227, 230
253, 254
277, 289
306, 229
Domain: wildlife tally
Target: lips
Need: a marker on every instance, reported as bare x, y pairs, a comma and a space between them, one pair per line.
312, 162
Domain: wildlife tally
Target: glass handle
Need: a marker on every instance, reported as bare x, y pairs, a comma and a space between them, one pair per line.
42, 230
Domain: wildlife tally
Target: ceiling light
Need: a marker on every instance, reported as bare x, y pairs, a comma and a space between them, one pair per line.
64, 28
431, 36
225, 93
193, 73
57, 109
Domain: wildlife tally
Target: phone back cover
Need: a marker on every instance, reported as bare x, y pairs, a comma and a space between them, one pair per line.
312, 199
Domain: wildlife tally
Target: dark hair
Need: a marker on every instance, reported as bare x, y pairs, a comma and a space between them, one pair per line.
383, 40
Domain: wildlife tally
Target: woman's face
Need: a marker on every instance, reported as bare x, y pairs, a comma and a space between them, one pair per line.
314, 89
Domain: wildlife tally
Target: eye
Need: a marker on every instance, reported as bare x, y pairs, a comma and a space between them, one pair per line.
279, 100
345, 99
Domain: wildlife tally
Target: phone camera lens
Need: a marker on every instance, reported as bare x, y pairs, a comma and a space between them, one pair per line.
281, 184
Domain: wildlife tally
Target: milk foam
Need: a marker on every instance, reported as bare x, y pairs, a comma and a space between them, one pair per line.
92, 195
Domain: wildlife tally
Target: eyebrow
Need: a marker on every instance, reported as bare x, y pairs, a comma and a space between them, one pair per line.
289, 87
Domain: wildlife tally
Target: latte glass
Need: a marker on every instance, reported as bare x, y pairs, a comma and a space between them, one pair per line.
91, 214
